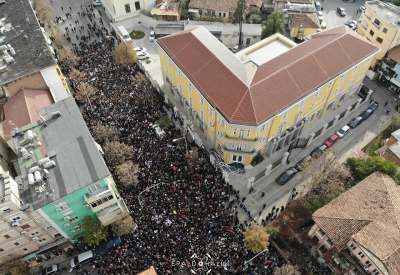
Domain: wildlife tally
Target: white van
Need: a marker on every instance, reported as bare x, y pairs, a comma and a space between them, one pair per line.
124, 33
81, 259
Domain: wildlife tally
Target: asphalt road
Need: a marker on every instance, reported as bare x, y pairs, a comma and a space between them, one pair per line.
333, 19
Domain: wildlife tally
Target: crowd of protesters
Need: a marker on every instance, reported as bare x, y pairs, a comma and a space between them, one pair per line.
186, 213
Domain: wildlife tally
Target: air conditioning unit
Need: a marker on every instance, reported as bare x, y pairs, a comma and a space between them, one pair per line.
67, 218
86, 206
72, 231
67, 224
24, 232
59, 209
35, 238
15, 224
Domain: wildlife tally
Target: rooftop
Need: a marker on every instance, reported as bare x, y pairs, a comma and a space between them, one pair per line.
368, 213
24, 108
166, 8
23, 33
221, 5
150, 271
65, 140
222, 28
386, 11
394, 54
305, 20
252, 98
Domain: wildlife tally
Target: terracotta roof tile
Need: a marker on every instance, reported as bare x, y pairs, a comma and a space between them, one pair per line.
150, 271
222, 78
395, 54
305, 20
221, 5
369, 213
24, 109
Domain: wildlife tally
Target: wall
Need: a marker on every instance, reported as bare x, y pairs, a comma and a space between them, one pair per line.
115, 9
34, 81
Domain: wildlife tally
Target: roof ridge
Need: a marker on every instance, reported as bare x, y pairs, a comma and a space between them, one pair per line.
393, 203
241, 100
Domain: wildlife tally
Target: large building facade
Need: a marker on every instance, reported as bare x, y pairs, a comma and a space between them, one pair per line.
260, 99
379, 24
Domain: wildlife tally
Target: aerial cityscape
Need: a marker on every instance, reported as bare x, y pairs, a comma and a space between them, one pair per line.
156, 137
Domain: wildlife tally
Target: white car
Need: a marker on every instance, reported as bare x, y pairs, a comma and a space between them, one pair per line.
160, 132
345, 129
142, 55
320, 16
139, 49
97, 3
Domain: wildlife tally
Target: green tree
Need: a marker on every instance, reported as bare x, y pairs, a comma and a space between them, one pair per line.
238, 16
255, 18
163, 120
256, 238
396, 2
123, 226
395, 125
94, 232
362, 168
273, 232
274, 23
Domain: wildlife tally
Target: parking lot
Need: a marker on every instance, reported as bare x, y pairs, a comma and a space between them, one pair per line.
333, 19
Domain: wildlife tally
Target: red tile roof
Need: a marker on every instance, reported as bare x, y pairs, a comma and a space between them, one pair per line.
368, 213
24, 108
394, 54
221, 77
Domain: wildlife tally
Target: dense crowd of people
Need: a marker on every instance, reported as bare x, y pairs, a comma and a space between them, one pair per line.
186, 213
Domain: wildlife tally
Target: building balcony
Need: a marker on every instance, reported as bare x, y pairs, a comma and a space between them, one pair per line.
227, 139
110, 214
242, 152
232, 147
91, 197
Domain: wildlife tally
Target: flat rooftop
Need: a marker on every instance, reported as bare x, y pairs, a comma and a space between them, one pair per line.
222, 28
65, 140
23, 33
387, 11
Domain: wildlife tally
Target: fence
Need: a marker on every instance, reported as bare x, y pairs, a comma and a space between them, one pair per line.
276, 163
330, 123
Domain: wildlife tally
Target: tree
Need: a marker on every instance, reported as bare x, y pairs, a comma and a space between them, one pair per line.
395, 125
274, 23
185, 4
163, 120
116, 152
67, 57
286, 269
45, 12
105, 133
76, 76
256, 238
255, 18
238, 16
273, 232
125, 54
123, 226
396, 2
13, 266
362, 168
94, 232
85, 91
127, 173
57, 37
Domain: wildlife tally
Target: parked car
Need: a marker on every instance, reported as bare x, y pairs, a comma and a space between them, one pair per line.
363, 92
54, 269
152, 36
160, 132
302, 163
362, 9
236, 48
318, 151
331, 140
139, 49
103, 247
320, 16
366, 114
355, 122
286, 176
81, 259
142, 55
374, 106
97, 3
318, 6
341, 11
352, 24
342, 132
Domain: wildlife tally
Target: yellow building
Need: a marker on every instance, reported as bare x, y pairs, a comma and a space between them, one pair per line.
260, 99
380, 25
303, 24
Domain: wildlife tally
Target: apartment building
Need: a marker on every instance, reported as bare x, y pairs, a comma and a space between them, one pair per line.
117, 10
380, 25
358, 232
62, 178
258, 100
222, 8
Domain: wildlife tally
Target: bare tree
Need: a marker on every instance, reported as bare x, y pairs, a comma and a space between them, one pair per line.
13, 266
117, 152
76, 76
57, 37
67, 57
105, 133
256, 238
85, 91
45, 12
125, 54
286, 269
123, 226
127, 173
192, 157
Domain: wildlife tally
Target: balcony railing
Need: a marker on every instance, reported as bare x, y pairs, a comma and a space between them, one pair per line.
228, 139
243, 151
90, 197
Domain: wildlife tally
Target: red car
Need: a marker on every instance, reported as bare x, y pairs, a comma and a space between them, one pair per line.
331, 140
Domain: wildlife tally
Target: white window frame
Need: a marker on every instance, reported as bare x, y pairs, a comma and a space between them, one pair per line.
190, 87
248, 133
341, 78
285, 115
317, 94
301, 104
179, 74
210, 110
234, 131
169, 61
201, 115
355, 69
201, 100
280, 130
330, 85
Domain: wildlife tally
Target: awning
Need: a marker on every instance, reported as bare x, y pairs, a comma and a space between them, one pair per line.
44, 248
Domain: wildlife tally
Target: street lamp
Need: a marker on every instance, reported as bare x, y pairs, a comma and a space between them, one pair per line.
175, 140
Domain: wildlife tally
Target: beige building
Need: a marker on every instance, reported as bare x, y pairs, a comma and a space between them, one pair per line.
358, 232
118, 10
221, 8
167, 10
380, 25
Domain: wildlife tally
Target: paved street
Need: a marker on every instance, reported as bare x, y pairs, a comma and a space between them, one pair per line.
333, 19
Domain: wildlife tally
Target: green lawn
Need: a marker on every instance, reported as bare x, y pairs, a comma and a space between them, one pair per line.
137, 34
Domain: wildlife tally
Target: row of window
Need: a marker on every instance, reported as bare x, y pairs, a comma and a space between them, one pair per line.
102, 200
128, 7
